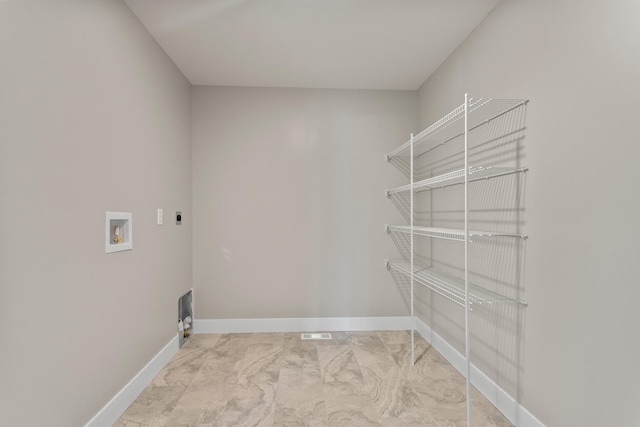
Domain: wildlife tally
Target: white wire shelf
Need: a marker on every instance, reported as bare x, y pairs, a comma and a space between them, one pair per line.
449, 233
451, 126
449, 286
457, 177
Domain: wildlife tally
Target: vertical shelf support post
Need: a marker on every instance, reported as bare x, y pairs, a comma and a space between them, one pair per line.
413, 318
466, 254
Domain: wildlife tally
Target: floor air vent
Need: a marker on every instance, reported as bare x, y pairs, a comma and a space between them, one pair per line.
322, 336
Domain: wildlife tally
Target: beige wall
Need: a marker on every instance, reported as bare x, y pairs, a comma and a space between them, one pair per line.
289, 202
579, 65
93, 117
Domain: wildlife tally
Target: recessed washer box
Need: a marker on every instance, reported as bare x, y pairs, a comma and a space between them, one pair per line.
118, 232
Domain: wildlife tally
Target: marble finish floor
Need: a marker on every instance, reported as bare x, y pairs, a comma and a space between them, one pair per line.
276, 379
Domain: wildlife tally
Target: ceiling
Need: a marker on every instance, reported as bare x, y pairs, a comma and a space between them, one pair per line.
338, 44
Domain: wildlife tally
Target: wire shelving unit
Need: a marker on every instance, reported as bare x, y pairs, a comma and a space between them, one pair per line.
453, 128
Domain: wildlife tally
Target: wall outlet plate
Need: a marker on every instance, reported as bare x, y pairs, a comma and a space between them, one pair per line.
178, 218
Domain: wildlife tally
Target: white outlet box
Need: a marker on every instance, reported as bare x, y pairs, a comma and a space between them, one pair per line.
160, 216
118, 232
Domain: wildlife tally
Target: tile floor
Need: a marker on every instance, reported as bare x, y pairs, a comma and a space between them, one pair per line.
276, 379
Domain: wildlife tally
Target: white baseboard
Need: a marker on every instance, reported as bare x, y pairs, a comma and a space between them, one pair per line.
304, 324
110, 413
506, 404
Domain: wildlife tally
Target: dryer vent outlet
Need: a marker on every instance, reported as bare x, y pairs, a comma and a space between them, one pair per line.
185, 317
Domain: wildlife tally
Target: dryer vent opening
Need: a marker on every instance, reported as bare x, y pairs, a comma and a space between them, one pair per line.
185, 317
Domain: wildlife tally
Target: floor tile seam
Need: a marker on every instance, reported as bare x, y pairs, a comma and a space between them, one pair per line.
322, 400
185, 359
258, 361
348, 348
230, 346
270, 367
407, 331
210, 346
428, 416
388, 347
324, 394
402, 379
225, 408
194, 376
167, 416
388, 394
358, 362
302, 367
233, 373
387, 352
